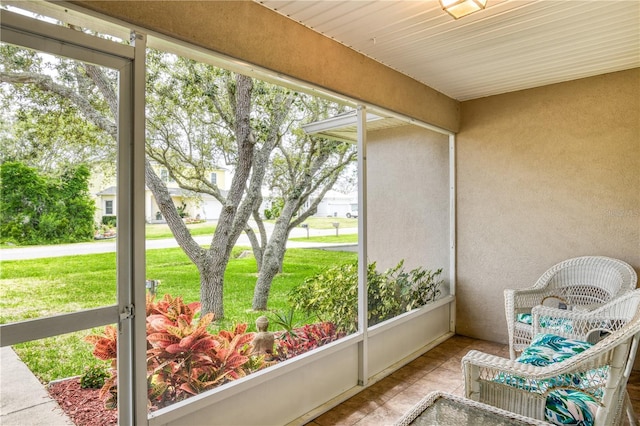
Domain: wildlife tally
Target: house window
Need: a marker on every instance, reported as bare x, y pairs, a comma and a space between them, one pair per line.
214, 179
108, 207
164, 175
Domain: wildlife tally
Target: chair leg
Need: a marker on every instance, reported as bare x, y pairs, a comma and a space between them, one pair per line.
631, 415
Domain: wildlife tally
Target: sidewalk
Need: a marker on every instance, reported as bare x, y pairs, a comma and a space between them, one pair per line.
23, 399
36, 252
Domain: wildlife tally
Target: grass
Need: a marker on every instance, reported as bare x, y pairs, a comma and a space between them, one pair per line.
346, 238
42, 287
161, 231
327, 222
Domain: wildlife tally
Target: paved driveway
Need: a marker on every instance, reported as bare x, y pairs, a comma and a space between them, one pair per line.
107, 246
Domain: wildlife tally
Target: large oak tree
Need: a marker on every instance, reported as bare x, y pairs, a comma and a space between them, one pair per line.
201, 118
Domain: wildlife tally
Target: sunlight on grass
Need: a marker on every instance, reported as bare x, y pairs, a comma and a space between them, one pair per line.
327, 222
160, 231
346, 238
59, 357
14, 306
40, 287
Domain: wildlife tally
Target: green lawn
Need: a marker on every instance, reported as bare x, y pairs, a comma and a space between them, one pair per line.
159, 231
41, 287
327, 222
346, 238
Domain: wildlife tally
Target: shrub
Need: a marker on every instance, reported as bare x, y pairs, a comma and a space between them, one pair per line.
396, 291
94, 377
276, 208
285, 321
39, 209
182, 210
110, 221
183, 358
106, 348
332, 295
420, 286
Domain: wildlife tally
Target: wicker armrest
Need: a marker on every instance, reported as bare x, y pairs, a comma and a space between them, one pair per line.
584, 361
577, 324
581, 324
523, 388
482, 359
526, 297
523, 300
479, 366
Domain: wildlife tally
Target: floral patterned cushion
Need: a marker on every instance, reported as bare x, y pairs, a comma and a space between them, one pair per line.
570, 407
560, 324
563, 406
546, 349
525, 318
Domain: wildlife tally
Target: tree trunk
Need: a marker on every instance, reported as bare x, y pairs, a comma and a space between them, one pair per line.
258, 246
255, 246
233, 216
272, 258
211, 270
271, 266
276, 247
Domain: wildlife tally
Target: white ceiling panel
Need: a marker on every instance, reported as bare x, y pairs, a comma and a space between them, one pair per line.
511, 45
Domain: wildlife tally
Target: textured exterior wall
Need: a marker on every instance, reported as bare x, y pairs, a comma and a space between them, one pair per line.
250, 32
544, 175
408, 198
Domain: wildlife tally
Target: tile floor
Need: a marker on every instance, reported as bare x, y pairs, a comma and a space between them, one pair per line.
439, 369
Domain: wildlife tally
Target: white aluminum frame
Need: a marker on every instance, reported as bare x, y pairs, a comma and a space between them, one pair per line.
129, 62
363, 323
452, 229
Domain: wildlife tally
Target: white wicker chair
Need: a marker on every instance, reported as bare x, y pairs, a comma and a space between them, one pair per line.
603, 369
587, 281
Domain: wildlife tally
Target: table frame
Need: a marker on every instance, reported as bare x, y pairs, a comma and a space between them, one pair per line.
432, 397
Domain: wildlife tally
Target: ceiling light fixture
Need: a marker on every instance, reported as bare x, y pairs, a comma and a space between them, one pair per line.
460, 8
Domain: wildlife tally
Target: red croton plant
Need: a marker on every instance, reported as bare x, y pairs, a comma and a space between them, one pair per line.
305, 338
183, 358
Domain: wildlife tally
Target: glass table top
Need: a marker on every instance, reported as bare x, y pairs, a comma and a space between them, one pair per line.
440, 408
447, 412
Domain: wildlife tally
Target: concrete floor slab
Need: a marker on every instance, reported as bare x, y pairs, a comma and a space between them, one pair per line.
23, 399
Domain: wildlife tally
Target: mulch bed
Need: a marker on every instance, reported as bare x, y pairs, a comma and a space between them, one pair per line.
83, 406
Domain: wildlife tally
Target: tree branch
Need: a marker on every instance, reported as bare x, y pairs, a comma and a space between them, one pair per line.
46, 83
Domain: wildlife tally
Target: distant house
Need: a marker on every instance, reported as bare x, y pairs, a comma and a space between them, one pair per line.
337, 204
105, 203
334, 204
205, 207
193, 205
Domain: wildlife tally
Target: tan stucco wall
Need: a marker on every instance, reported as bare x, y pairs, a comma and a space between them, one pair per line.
408, 198
544, 175
250, 32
